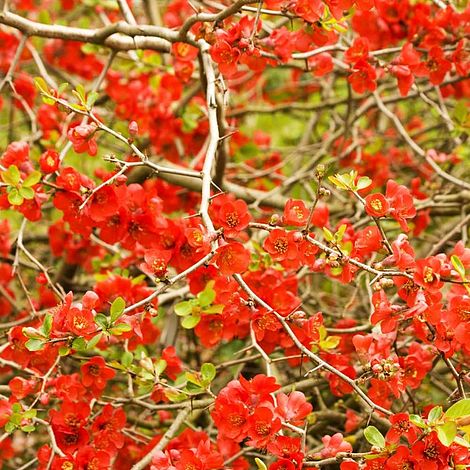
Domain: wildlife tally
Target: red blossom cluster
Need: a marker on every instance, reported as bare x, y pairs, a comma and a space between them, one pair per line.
236, 237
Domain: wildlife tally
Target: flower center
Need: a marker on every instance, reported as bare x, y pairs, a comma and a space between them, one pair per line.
232, 219
262, 429
281, 245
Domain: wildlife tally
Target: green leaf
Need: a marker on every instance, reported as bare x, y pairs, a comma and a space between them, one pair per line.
336, 180
48, 100
64, 351
29, 414
330, 342
94, 341
206, 297
183, 308
193, 378
47, 325
17, 408
435, 414
33, 178
26, 193
41, 84
219, 308
458, 265
15, 198
260, 465
160, 367
79, 344
374, 437
446, 433
461, 441
340, 233
175, 396
80, 92
11, 176
28, 428
62, 88
208, 372
10, 427
418, 421
459, 409
126, 359
33, 333
34, 344
329, 237
363, 182
120, 328
190, 321
102, 321
91, 98
117, 308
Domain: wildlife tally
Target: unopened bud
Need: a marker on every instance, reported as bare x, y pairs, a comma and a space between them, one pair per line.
121, 179
386, 282
274, 220
133, 128
320, 171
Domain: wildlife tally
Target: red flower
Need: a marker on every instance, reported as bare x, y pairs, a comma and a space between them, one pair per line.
295, 213
156, 262
368, 240
184, 52
358, 51
428, 272
173, 363
262, 426
401, 202
80, 322
349, 465
233, 216
320, 64
333, 445
226, 57
49, 161
232, 258
286, 446
281, 245
429, 453
294, 408
405, 78
401, 459
107, 428
72, 415
5, 412
70, 439
89, 458
377, 205
363, 78
104, 203
309, 10
436, 67
82, 140
401, 426
69, 179
283, 464
95, 374
231, 419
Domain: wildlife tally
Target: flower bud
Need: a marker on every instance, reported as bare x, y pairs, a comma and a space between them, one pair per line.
133, 128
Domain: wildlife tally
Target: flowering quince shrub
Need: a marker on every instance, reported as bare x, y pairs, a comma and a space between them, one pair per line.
234, 234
